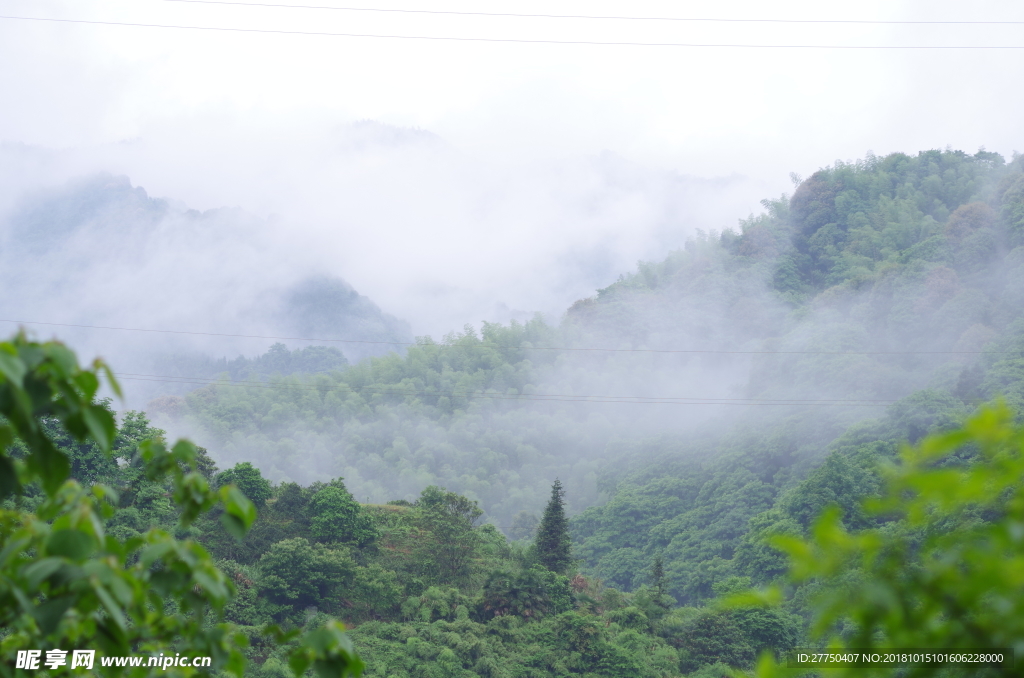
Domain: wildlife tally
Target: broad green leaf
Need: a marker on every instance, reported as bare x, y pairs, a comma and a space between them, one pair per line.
62, 357
101, 425
72, 544
10, 366
111, 605
41, 569
115, 386
51, 465
49, 614
239, 513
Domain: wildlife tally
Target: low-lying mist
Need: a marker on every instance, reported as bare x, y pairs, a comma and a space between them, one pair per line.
433, 234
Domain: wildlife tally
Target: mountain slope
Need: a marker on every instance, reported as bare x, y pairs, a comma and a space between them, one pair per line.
498, 415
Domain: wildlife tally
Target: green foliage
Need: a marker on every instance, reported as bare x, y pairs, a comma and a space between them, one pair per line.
554, 547
63, 582
946, 571
68, 583
445, 414
658, 582
42, 383
249, 480
849, 220
530, 593
561, 645
448, 519
336, 517
711, 637
298, 573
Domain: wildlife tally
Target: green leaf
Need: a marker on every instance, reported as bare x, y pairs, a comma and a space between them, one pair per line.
49, 614
215, 588
101, 425
50, 464
111, 379
299, 660
121, 590
6, 437
88, 382
9, 484
23, 602
155, 552
10, 366
235, 527
40, 570
62, 357
280, 636
111, 605
72, 544
331, 652
239, 513
184, 451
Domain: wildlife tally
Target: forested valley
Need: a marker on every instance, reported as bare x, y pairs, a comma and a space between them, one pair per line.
591, 496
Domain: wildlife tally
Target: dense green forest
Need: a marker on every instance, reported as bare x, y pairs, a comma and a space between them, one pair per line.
743, 386
429, 591
880, 301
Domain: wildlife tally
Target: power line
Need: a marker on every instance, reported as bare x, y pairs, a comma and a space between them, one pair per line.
521, 348
478, 394
394, 390
210, 334
592, 16
504, 40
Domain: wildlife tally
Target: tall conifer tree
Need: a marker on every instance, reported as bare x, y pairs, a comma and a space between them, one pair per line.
658, 582
554, 548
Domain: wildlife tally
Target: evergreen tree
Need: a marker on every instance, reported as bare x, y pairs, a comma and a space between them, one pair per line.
554, 549
659, 583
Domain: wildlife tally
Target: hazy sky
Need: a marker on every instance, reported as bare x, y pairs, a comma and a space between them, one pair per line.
553, 167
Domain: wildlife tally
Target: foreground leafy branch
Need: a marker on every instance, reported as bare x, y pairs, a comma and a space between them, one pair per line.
946, 568
67, 585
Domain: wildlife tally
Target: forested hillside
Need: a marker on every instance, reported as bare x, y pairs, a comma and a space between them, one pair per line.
692, 410
875, 281
903, 278
428, 590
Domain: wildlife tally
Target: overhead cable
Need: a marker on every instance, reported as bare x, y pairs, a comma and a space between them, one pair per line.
496, 346
538, 397
595, 16
504, 40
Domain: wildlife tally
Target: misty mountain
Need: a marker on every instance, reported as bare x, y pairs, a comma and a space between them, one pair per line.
676, 404
897, 284
755, 347
325, 307
875, 279
102, 252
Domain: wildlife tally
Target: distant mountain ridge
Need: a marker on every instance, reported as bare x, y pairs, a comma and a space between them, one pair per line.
101, 251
